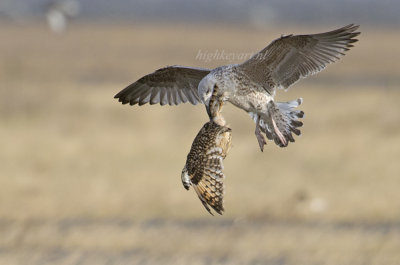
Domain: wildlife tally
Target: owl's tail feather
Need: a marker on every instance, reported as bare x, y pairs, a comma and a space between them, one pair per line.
210, 191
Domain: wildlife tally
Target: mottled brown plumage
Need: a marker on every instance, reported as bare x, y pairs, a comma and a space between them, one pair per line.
204, 165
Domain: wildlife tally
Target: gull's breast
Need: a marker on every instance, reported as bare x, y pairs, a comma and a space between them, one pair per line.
250, 101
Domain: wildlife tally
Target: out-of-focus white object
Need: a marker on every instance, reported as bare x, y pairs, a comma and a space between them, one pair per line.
261, 15
59, 12
56, 20
318, 205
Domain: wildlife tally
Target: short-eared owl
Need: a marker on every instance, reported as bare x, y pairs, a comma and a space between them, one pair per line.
204, 165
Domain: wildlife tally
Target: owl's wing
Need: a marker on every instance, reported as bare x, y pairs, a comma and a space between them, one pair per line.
210, 186
169, 85
204, 165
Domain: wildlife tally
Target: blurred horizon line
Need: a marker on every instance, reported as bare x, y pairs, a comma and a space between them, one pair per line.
256, 12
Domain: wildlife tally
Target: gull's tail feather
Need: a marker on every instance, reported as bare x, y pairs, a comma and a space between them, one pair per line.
285, 121
281, 121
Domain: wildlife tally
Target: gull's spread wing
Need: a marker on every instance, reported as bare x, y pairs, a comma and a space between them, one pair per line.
170, 85
292, 57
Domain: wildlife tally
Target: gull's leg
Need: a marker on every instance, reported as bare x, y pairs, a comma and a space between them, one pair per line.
260, 137
279, 133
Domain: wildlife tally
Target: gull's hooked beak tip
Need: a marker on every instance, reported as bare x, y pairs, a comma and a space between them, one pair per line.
204, 99
209, 111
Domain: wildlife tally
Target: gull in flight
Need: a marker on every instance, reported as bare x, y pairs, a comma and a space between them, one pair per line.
250, 86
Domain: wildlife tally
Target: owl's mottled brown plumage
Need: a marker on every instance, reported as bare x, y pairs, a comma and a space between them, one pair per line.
204, 165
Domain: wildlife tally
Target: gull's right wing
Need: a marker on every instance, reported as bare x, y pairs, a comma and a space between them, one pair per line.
170, 85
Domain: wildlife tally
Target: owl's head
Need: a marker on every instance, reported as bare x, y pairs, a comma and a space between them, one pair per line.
185, 178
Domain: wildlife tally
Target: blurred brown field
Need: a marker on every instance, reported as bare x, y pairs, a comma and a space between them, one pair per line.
86, 180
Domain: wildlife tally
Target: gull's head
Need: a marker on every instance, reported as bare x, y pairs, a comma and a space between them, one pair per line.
206, 89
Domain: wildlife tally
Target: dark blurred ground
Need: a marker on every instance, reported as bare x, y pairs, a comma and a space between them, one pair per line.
213, 241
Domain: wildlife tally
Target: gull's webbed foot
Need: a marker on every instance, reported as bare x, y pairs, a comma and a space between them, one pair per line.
260, 137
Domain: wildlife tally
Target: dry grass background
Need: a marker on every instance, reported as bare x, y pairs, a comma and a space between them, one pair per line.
85, 180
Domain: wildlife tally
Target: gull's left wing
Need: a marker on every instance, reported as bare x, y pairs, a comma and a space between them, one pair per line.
289, 58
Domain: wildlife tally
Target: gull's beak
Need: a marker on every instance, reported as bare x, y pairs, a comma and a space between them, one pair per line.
204, 99
209, 111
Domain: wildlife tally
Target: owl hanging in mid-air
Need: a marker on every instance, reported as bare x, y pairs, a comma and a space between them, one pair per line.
204, 165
